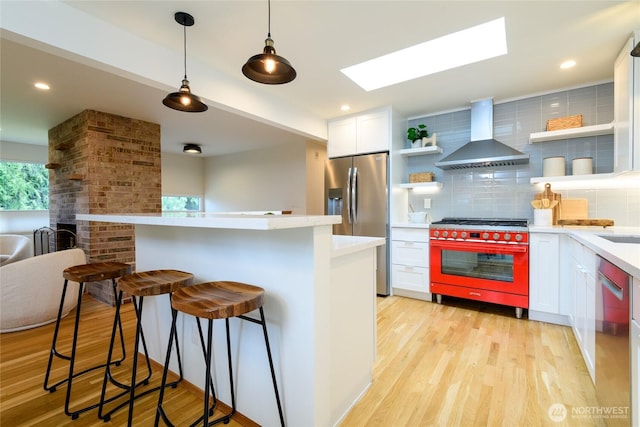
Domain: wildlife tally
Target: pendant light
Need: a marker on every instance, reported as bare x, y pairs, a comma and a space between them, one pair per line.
184, 100
267, 67
192, 149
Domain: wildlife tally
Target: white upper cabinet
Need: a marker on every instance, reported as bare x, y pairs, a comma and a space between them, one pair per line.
364, 133
626, 83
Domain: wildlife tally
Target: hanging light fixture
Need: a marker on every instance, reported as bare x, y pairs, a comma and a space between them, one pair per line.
267, 67
184, 100
192, 149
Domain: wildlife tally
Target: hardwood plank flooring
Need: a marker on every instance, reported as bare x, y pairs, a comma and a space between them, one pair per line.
456, 364
468, 364
23, 362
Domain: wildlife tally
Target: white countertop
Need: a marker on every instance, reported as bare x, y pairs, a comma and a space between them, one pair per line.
624, 255
410, 225
343, 245
217, 220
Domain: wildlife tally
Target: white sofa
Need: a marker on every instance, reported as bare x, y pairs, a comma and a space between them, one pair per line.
30, 289
14, 247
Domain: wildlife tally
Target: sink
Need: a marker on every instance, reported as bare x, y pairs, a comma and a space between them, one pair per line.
620, 239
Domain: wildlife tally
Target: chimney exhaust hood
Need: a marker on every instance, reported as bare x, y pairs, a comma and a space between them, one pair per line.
482, 151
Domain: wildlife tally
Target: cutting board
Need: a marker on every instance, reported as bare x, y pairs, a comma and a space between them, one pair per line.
550, 195
592, 221
574, 209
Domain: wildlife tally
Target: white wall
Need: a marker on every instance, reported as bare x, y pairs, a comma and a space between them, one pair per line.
13, 152
316, 156
21, 222
269, 179
182, 175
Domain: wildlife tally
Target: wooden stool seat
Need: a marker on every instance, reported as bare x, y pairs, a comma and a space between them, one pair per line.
96, 271
218, 300
154, 282
84, 273
140, 285
210, 301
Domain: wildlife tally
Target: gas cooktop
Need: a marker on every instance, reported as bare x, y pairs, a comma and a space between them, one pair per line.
483, 222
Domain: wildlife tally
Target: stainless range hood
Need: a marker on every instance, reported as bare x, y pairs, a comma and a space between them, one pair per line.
482, 151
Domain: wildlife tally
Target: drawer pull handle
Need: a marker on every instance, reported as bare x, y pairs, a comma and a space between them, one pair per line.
475, 294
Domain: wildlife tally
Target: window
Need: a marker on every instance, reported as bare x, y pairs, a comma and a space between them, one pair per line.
23, 186
181, 203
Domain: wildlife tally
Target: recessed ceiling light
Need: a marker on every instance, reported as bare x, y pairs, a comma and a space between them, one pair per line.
345, 107
464, 47
41, 85
568, 64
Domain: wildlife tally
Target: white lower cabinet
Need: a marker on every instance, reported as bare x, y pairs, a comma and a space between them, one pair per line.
410, 262
548, 298
583, 264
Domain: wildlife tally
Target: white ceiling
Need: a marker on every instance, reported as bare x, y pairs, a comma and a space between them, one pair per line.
318, 38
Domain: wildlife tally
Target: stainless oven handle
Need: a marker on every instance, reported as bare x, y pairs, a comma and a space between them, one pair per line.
448, 244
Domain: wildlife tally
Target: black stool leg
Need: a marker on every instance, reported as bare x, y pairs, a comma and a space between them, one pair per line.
160, 411
273, 373
107, 372
263, 322
73, 415
54, 351
233, 396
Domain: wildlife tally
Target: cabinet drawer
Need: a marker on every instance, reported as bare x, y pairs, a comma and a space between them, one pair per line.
410, 234
410, 253
410, 278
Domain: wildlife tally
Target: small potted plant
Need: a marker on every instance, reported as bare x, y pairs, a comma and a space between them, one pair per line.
415, 135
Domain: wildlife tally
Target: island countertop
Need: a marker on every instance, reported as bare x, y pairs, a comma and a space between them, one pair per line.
238, 221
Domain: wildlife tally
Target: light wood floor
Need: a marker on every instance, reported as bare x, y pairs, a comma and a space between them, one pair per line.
454, 364
465, 364
23, 362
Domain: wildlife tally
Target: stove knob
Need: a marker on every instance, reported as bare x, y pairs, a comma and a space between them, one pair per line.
445, 233
518, 237
436, 233
496, 236
454, 234
463, 234
507, 236
485, 236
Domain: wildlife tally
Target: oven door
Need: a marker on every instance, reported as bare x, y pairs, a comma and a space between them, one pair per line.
493, 267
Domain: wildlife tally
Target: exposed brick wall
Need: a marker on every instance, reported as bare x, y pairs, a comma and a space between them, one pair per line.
107, 164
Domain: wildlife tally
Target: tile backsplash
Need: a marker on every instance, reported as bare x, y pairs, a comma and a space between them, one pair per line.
507, 191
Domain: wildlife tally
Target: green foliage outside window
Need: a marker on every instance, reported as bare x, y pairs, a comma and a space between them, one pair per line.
180, 203
23, 186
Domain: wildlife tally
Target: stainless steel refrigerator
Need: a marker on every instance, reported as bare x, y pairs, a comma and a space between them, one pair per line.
357, 188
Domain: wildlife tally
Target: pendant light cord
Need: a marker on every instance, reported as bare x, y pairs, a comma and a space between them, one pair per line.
184, 39
269, 19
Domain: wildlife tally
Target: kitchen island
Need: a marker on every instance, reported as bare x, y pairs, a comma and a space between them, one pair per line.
319, 304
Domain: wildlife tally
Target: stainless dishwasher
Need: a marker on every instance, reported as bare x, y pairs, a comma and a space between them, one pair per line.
613, 387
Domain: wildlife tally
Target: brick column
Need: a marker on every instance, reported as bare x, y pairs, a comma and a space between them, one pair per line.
104, 164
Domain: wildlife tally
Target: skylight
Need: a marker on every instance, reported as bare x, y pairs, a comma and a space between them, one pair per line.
464, 47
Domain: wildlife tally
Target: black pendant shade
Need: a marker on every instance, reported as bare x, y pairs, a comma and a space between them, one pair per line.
267, 67
184, 100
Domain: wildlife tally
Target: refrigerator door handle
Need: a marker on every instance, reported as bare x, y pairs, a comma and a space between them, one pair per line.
349, 195
354, 195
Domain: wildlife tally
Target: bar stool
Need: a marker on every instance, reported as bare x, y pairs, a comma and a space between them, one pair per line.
82, 274
217, 300
141, 284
